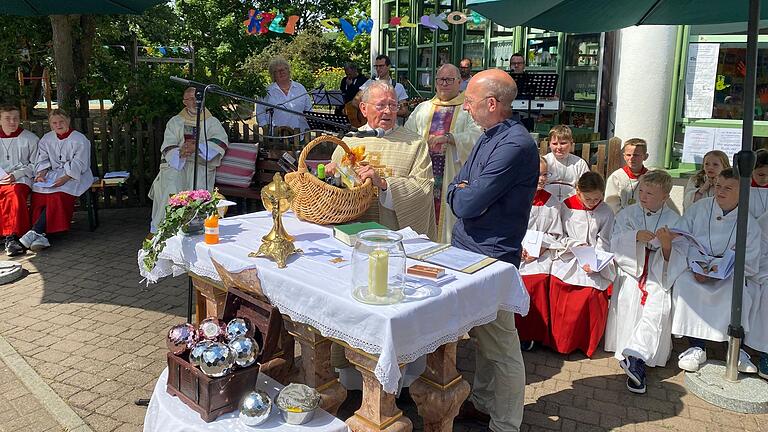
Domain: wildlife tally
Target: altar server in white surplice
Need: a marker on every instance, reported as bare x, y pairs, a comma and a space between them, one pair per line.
565, 168
621, 186
756, 305
544, 218
758, 197
639, 328
578, 294
701, 304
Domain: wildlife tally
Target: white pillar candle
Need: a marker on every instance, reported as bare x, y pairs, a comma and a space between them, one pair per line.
378, 264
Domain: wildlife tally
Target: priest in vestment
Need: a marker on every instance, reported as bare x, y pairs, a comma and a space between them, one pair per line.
639, 328
450, 134
62, 173
398, 165
178, 156
700, 303
18, 151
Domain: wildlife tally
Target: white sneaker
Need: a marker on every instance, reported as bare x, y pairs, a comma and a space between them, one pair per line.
691, 359
34, 241
745, 363
28, 238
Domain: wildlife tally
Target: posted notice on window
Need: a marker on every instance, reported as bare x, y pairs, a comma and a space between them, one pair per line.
699, 140
700, 79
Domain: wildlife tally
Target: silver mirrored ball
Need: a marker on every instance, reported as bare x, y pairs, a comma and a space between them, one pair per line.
217, 360
239, 327
245, 350
255, 408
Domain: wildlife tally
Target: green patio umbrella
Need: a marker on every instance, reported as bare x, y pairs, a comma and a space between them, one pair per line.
589, 16
71, 7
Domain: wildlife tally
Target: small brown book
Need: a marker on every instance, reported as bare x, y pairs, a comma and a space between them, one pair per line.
425, 271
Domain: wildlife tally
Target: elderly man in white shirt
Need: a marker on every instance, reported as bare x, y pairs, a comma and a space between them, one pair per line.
286, 93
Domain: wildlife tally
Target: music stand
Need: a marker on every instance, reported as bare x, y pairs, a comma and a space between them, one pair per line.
314, 124
531, 86
332, 98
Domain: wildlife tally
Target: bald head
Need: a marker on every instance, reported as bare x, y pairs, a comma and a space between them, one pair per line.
497, 83
489, 96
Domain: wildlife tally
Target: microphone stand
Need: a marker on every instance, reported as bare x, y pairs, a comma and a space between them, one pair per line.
212, 88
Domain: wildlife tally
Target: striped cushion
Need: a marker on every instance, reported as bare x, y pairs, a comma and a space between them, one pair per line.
238, 165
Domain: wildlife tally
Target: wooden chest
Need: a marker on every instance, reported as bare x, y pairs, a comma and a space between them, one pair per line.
211, 397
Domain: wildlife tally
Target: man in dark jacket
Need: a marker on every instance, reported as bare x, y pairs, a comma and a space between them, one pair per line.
491, 196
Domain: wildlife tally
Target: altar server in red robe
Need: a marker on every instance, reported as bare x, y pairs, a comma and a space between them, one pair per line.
578, 295
62, 173
621, 186
545, 221
18, 149
639, 328
565, 168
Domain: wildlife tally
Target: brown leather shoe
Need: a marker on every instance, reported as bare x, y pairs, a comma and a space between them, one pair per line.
469, 412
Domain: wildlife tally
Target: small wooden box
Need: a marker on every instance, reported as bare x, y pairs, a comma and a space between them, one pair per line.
211, 397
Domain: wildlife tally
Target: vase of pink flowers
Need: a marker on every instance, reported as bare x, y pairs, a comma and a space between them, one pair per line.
185, 214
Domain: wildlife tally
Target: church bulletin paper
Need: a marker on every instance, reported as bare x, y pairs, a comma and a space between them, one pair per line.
700, 79
728, 140
698, 141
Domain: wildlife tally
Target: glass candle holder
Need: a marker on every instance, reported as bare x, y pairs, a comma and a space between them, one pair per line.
378, 267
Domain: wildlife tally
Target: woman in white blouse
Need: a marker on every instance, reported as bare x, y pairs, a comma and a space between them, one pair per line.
286, 93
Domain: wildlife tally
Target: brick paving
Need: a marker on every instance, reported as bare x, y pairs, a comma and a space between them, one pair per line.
94, 334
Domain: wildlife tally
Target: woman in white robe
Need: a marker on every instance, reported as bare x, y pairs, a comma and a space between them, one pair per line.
578, 294
702, 185
535, 271
639, 328
62, 173
700, 304
565, 168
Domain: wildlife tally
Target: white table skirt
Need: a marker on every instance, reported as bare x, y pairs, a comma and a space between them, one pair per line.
312, 291
168, 413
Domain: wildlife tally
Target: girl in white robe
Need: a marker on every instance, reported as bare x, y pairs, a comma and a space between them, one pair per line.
544, 218
701, 304
565, 168
62, 173
702, 185
758, 193
579, 295
639, 321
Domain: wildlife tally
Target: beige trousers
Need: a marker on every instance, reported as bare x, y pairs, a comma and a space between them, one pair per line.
499, 385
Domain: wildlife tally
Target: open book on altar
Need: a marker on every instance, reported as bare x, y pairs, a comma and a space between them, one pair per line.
452, 257
596, 259
713, 267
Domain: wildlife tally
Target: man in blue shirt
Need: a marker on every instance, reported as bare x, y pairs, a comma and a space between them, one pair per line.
492, 197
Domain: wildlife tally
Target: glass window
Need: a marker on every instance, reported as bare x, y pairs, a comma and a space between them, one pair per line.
443, 55
475, 53
404, 37
424, 57
583, 50
541, 51
729, 82
498, 30
424, 80
501, 51
403, 58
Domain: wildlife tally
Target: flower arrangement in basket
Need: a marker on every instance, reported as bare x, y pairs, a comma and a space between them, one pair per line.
184, 214
319, 202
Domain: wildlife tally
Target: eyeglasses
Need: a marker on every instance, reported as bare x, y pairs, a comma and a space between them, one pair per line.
518, 63
446, 81
383, 107
380, 65
472, 101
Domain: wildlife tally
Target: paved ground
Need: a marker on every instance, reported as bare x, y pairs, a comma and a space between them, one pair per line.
94, 335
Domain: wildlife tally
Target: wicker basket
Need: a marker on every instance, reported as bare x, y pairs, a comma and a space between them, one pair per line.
321, 203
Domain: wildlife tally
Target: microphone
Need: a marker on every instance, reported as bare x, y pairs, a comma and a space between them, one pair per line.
375, 133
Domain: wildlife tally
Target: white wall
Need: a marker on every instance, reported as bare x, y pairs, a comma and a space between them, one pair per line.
643, 83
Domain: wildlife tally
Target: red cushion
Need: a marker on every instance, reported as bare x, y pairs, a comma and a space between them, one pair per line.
238, 165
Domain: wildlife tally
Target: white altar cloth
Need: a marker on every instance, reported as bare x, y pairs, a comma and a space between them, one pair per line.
168, 413
313, 291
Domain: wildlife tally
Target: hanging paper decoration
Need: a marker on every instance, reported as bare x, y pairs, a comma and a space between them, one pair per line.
162, 51
365, 26
275, 26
